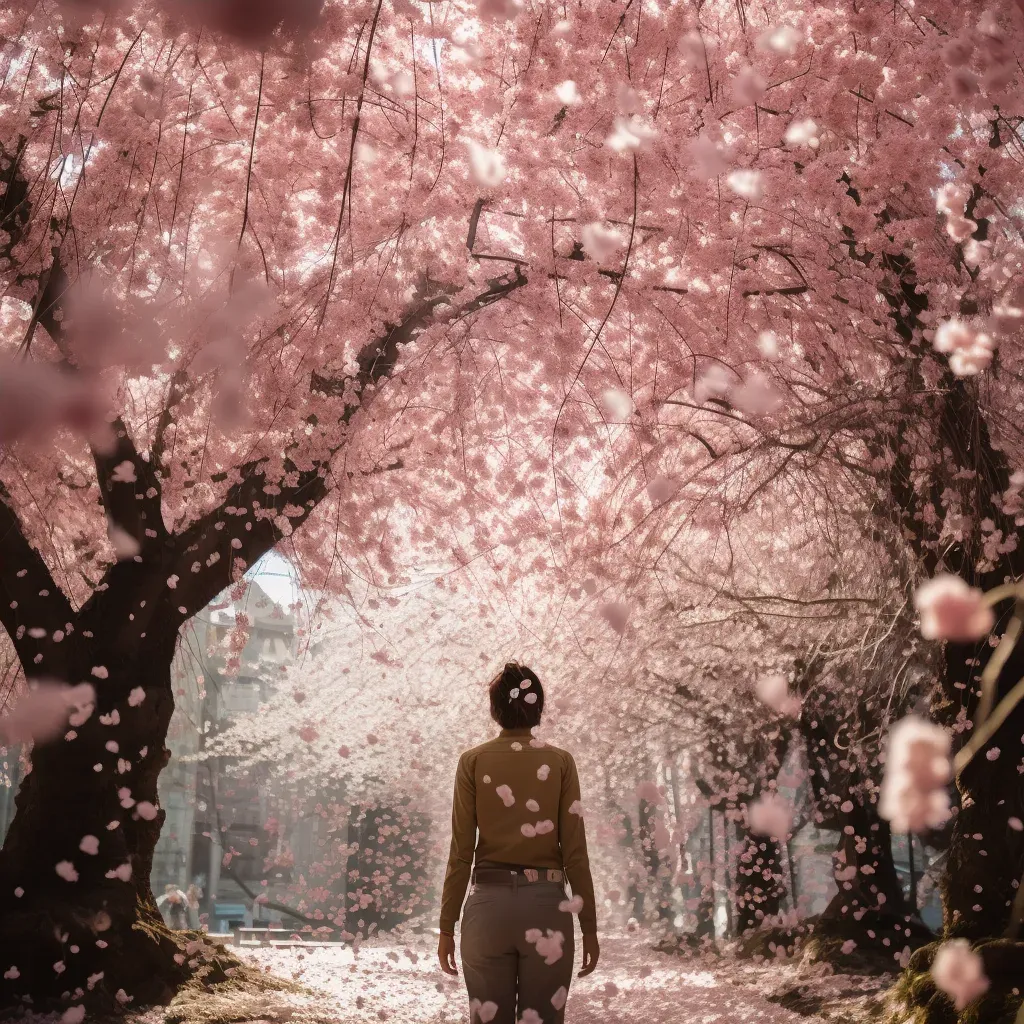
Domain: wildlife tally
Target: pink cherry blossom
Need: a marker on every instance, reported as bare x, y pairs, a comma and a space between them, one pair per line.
44, 710
917, 769
803, 132
780, 39
630, 134
959, 972
950, 609
661, 488
488, 165
770, 815
970, 350
601, 242
773, 691
567, 92
67, 871
746, 183
616, 614
146, 810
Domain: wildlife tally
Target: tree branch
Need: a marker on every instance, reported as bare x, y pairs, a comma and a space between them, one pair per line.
270, 904
34, 610
258, 511
129, 486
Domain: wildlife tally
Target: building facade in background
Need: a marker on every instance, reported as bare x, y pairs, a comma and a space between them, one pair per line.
224, 834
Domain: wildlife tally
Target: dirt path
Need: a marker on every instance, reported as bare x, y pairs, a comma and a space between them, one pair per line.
633, 985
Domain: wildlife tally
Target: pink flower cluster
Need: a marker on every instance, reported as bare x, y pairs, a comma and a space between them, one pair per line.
45, 710
970, 350
548, 946
917, 771
959, 972
771, 816
952, 610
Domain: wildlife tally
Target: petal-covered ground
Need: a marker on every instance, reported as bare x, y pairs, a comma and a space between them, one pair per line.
633, 985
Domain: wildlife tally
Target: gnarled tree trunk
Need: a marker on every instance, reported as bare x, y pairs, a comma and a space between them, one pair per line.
759, 889
986, 856
75, 866
77, 914
986, 852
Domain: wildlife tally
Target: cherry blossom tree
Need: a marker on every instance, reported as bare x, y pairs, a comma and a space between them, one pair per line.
394, 283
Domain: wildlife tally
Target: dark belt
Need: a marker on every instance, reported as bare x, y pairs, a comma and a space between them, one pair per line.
510, 876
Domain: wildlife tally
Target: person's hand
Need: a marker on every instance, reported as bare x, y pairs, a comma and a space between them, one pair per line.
446, 954
591, 954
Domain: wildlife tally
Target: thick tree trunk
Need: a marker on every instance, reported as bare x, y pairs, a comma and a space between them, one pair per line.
77, 915
985, 856
868, 909
870, 895
985, 862
657, 875
986, 852
706, 902
981, 883
759, 889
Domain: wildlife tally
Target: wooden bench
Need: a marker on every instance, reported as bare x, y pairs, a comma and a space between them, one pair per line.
283, 937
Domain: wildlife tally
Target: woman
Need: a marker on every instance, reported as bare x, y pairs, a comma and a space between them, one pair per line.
523, 797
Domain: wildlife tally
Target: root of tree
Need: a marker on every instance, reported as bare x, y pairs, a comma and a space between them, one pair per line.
871, 945
916, 1000
183, 970
248, 995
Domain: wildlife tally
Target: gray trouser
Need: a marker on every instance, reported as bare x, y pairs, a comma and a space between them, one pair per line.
508, 934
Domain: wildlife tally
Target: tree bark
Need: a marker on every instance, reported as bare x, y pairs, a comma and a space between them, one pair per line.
706, 901
759, 889
981, 873
73, 919
986, 853
870, 895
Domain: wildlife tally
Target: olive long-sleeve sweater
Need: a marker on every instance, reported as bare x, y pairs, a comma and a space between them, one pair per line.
523, 797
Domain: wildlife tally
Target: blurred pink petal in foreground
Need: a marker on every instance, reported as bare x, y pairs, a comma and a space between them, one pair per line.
959, 972
917, 770
952, 610
42, 712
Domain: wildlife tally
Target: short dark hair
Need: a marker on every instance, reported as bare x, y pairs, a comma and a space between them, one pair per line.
509, 692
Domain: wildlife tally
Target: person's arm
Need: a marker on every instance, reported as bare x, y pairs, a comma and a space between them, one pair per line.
460, 857
573, 839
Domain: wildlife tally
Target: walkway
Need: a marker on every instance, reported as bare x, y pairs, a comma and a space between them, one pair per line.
633, 985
